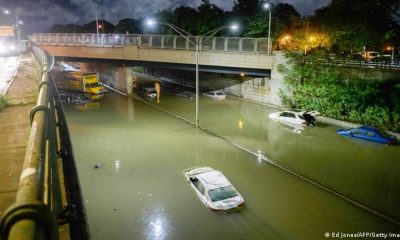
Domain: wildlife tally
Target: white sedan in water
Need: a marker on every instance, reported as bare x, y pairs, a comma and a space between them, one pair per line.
217, 95
213, 188
291, 117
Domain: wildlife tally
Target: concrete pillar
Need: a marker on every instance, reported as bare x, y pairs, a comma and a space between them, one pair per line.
122, 79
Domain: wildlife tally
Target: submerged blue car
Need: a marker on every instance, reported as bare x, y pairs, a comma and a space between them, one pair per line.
370, 134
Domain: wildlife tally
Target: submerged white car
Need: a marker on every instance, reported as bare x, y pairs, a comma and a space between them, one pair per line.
217, 95
150, 92
213, 188
295, 117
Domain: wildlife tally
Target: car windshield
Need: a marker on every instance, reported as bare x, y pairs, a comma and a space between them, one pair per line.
222, 193
93, 85
219, 93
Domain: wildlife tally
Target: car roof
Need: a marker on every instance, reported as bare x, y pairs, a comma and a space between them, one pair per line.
293, 111
213, 179
369, 128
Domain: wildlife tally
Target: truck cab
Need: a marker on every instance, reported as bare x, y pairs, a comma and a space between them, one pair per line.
90, 82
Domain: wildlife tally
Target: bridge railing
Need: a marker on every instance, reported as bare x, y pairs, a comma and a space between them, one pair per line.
226, 44
39, 208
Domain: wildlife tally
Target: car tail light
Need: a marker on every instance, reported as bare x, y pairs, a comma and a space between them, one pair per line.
392, 142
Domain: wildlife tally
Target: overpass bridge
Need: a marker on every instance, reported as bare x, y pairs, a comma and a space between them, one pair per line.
218, 54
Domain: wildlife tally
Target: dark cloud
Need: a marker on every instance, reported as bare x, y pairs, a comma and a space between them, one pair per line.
40, 15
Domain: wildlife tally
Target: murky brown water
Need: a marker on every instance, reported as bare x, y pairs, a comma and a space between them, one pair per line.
140, 191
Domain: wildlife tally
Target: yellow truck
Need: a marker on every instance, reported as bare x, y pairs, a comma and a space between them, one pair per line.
85, 82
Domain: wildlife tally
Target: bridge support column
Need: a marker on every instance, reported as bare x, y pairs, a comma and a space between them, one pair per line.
123, 79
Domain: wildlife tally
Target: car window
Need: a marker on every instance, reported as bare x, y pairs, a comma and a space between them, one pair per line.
197, 184
356, 132
222, 193
290, 115
220, 93
369, 134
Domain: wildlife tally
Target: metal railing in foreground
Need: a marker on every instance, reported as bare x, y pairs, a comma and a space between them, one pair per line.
38, 208
224, 44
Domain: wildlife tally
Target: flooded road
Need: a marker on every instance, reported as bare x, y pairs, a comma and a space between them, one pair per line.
140, 191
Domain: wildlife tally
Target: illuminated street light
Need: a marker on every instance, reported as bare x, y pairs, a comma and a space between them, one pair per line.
151, 22
391, 48
6, 12
267, 6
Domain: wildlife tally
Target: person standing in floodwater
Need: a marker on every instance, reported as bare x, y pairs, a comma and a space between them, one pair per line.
157, 87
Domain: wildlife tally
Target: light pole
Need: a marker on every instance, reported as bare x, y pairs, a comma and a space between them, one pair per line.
267, 6
391, 48
197, 45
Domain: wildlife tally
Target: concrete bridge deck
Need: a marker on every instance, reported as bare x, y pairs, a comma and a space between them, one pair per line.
241, 53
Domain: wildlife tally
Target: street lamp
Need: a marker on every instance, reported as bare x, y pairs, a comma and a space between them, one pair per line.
391, 48
197, 44
267, 6
6, 12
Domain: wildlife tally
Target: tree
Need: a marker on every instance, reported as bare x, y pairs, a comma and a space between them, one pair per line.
284, 16
210, 17
246, 8
360, 23
128, 26
340, 93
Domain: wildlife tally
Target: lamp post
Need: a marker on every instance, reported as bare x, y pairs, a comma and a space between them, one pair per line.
391, 48
197, 45
267, 6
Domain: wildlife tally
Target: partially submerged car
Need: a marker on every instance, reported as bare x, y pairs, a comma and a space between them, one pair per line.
369, 133
217, 95
295, 117
186, 95
150, 92
213, 188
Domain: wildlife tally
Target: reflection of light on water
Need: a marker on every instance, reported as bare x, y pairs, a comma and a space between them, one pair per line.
259, 155
158, 227
240, 124
117, 165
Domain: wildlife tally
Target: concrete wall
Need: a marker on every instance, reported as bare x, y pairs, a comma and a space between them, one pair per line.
263, 90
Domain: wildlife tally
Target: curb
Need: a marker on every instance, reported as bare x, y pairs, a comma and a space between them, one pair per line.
14, 76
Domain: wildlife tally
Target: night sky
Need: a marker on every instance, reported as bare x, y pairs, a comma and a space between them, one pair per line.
40, 15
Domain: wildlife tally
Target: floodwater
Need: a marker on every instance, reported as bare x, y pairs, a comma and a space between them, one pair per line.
140, 191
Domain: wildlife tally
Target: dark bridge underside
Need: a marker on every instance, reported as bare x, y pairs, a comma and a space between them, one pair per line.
177, 66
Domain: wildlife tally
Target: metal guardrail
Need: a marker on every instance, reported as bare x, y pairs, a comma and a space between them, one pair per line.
38, 207
227, 44
388, 65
